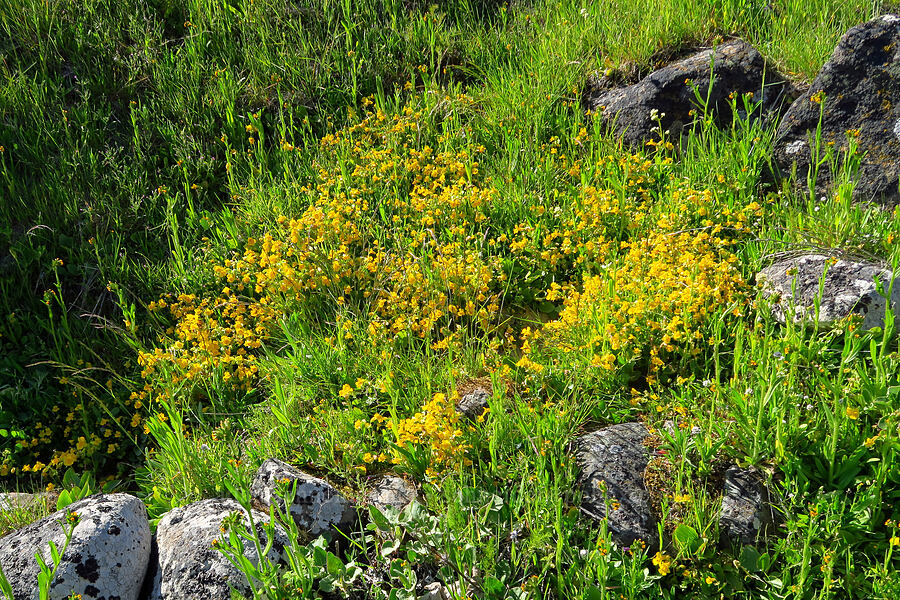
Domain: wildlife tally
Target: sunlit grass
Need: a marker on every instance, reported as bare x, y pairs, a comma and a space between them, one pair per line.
268, 229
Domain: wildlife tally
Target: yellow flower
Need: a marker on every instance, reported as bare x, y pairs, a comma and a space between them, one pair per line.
895, 541
852, 413
346, 391
663, 562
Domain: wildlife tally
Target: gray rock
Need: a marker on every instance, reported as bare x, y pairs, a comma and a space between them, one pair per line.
747, 514
189, 567
317, 506
392, 491
614, 458
437, 590
106, 557
473, 404
738, 67
861, 84
848, 288
11, 501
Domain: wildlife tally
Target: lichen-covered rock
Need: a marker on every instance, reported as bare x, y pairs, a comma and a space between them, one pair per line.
11, 501
392, 491
860, 88
737, 68
612, 463
317, 506
106, 557
473, 404
189, 566
848, 288
747, 514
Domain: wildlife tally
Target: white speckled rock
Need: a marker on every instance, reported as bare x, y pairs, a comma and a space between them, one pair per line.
473, 404
10, 501
392, 491
316, 508
106, 558
849, 288
188, 565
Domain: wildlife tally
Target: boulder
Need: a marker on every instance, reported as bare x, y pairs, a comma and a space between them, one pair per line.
858, 89
672, 92
317, 507
612, 462
848, 288
392, 491
747, 514
106, 557
189, 566
473, 404
12, 501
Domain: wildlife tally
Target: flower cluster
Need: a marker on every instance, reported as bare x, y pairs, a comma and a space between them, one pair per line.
211, 337
390, 234
656, 293
436, 430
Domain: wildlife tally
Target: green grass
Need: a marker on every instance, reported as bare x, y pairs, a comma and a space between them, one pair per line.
144, 144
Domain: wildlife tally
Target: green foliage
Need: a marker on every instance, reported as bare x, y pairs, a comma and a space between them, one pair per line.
143, 144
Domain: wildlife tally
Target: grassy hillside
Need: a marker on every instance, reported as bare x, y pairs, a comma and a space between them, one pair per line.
236, 230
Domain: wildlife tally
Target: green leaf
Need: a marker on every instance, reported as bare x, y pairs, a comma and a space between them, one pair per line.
492, 585
389, 548
750, 559
63, 500
334, 565
593, 593
71, 478
5, 587
379, 519
687, 538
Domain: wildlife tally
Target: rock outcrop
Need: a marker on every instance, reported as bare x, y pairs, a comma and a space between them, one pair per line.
672, 92
317, 506
392, 491
858, 90
847, 288
11, 501
747, 514
106, 557
189, 566
473, 404
612, 463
